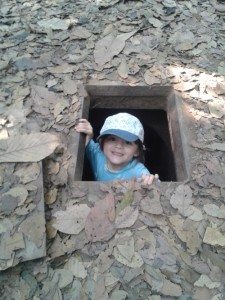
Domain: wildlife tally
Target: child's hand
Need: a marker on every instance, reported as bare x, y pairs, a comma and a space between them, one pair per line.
84, 126
148, 179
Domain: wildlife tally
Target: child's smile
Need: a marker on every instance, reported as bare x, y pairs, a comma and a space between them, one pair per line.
119, 152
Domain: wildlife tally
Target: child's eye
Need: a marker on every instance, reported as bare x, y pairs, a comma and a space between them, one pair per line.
128, 143
112, 138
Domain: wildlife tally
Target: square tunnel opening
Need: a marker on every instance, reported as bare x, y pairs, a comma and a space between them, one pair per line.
160, 111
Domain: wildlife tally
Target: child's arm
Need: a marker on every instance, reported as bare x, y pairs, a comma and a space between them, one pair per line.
148, 179
84, 126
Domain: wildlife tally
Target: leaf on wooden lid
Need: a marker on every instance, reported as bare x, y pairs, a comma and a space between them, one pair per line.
126, 244
151, 204
72, 220
8, 204
76, 266
18, 191
29, 147
127, 217
99, 226
127, 199
29, 172
136, 261
34, 228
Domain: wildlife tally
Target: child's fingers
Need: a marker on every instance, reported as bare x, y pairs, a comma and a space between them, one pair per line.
84, 126
147, 179
156, 176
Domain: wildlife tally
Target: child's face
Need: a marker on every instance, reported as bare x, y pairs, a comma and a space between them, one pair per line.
119, 152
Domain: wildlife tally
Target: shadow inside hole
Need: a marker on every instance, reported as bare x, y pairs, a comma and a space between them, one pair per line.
158, 155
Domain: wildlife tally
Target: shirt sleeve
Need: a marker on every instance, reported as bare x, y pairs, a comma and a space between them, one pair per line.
141, 170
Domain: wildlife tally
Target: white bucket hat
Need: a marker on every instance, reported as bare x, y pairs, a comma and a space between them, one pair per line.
125, 126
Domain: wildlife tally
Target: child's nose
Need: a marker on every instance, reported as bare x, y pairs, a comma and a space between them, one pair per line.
119, 143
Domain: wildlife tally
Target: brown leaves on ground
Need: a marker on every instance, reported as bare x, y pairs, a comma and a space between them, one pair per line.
28, 148
109, 46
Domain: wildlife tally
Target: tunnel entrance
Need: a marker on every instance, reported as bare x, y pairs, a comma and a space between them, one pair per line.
160, 110
158, 155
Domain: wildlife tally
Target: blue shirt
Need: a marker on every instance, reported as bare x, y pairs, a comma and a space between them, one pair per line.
97, 159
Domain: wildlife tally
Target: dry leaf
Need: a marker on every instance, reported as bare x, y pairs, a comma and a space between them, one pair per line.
76, 266
29, 147
79, 33
196, 214
154, 278
99, 226
69, 87
125, 244
28, 172
204, 280
18, 191
51, 196
55, 24
127, 199
217, 108
34, 228
5, 225
50, 230
8, 204
60, 106
62, 69
25, 209
110, 279
182, 200
109, 46
136, 261
188, 235
151, 204
214, 237
155, 22
214, 210
217, 179
118, 295
185, 86
63, 277
150, 78
214, 146
123, 69
72, 220
127, 217
171, 289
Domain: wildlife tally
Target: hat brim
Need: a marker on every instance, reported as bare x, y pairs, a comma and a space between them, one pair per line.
125, 135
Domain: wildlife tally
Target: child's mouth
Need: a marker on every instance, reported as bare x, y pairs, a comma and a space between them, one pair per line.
117, 154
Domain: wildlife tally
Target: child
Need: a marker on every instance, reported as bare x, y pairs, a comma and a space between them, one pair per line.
118, 155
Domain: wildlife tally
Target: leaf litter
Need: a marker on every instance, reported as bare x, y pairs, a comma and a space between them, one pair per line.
157, 242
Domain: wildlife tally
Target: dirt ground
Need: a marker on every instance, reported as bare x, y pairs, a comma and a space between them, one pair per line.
62, 239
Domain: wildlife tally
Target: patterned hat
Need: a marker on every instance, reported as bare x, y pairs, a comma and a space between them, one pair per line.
125, 126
